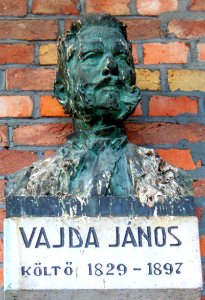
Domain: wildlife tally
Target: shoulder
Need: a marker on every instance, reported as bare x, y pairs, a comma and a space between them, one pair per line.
26, 181
154, 178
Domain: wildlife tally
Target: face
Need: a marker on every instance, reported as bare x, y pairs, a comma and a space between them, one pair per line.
103, 75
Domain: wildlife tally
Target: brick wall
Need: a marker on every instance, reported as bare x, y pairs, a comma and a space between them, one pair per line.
169, 51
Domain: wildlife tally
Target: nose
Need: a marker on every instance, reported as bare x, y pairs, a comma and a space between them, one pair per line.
111, 67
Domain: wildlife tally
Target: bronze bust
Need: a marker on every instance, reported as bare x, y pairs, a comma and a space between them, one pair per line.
95, 84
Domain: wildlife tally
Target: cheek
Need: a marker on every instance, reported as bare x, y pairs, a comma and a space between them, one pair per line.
86, 74
128, 75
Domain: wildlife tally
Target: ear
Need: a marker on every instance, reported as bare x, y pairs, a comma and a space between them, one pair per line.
62, 95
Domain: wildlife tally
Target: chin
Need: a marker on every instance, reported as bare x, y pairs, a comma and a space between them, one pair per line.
108, 103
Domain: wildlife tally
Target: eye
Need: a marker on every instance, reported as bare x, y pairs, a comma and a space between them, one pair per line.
123, 57
91, 55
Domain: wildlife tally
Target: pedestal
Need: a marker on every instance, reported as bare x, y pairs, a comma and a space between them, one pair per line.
102, 257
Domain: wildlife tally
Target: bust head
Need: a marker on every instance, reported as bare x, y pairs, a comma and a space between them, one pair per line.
96, 76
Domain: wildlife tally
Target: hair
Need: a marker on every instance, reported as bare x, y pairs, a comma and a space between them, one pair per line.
67, 46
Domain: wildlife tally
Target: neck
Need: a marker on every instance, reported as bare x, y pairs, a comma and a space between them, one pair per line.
81, 125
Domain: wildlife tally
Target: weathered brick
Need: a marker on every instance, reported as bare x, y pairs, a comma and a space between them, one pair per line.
1, 250
16, 54
202, 245
197, 5
148, 79
156, 7
50, 107
62, 7
2, 187
14, 160
15, 106
138, 111
2, 217
114, 7
134, 53
139, 29
178, 158
164, 133
30, 79
42, 134
3, 136
199, 188
48, 54
28, 29
186, 80
201, 51
172, 106
187, 28
11, 8
171, 53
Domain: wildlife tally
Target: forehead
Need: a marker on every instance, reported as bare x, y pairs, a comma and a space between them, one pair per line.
96, 36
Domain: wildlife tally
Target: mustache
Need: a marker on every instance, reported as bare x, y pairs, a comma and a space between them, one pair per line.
108, 81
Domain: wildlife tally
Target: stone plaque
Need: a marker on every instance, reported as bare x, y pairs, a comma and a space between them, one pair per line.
116, 254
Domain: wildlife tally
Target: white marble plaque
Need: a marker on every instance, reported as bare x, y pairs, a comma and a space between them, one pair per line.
115, 253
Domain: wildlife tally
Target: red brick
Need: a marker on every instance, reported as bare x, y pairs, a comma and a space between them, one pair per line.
62, 7
42, 134
1, 250
134, 53
156, 7
2, 217
14, 160
138, 111
139, 29
16, 54
164, 133
199, 188
171, 106
49, 153
178, 158
199, 163
15, 106
187, 28
202, 245
1, 277
197, 5
50, 107
199, 211
11, 8
201, 51
171, 53
2, 187
30, 79
3, 136
113, 7
28, 29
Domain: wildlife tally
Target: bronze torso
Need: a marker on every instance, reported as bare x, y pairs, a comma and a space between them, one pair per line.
102, 163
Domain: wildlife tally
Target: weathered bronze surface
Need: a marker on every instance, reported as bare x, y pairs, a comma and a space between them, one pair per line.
95, 83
